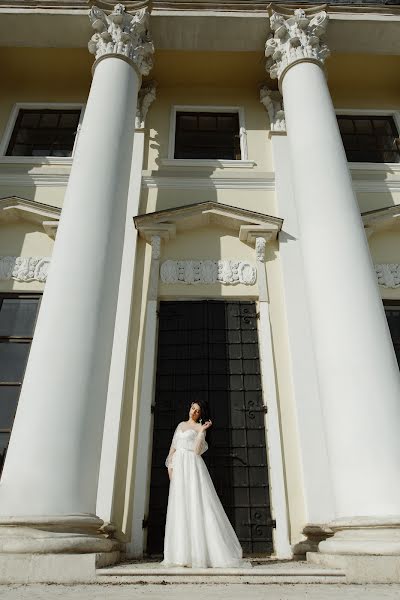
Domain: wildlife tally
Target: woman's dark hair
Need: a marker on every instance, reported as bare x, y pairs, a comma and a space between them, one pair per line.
204, 416
205, 412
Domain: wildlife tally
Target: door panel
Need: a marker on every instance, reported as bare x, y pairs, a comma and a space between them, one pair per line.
209, 350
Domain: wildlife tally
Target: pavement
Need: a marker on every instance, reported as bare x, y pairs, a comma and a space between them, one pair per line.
200, 592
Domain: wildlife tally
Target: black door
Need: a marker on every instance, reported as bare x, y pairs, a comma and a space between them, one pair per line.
392, 309
209, 350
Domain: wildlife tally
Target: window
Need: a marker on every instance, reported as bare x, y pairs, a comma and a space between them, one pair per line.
44, 132
207, 135
392, 310
18, 314
370, 138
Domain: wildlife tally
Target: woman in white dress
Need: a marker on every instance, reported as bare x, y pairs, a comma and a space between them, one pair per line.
197, 532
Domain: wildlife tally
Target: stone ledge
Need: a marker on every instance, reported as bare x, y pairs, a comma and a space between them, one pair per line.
54, 568
361, 569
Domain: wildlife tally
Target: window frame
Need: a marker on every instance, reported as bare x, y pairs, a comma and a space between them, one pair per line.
38, 106
18, 339
171, 160
365, 112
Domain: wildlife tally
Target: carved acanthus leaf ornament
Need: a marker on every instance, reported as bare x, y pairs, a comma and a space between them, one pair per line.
122, 34
273, 102
294, 39
147, 95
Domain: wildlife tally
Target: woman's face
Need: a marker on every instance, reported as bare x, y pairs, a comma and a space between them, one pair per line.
195, 412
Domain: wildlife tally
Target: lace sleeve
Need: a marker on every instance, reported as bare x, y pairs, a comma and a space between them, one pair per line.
169, 459
200, 444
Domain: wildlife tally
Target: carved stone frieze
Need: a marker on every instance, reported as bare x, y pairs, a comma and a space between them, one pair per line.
123, 34
227, 272
273, 103
295, 39
146, 97
388, 275
24, 268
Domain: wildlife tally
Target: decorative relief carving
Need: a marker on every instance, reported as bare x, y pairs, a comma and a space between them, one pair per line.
295, 38
124, 34
388, 275
260, 249
146, 97
227, 272
24, 268
273, 102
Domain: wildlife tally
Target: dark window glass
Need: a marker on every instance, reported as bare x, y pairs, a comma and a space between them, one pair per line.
370, 139
44, 133
18, 313
392, 310
207, 135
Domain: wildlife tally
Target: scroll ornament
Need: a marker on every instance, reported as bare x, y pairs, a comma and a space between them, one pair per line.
227, 272
273, 102
388, 275
123, 34
295, 38
24, 268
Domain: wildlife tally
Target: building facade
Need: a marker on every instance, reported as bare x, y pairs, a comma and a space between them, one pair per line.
199, 200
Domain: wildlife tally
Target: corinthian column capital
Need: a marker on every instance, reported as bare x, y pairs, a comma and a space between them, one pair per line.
295, 38
122, 34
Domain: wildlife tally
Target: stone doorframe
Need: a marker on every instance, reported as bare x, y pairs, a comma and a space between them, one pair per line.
256, 230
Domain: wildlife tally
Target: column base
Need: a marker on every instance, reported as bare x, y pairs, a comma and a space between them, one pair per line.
54, 568
361, 569
67, 534
364, 536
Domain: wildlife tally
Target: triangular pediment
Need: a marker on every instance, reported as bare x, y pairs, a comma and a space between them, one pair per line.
14, 209
387, 218
246, 224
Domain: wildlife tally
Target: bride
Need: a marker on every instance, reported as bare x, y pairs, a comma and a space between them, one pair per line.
197, 531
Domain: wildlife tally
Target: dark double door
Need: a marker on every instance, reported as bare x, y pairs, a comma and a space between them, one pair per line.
209, 350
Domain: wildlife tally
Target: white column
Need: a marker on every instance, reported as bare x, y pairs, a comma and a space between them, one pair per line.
313, 456
118, 368
52, 466
357, 371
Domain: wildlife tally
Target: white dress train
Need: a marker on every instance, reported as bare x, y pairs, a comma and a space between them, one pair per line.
198, 533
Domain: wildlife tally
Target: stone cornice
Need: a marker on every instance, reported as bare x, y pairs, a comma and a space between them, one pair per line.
295, 38
122, 34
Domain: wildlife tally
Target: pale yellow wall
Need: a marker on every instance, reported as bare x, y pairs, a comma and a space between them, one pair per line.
256, 120
23, 239
154, 199
207, 243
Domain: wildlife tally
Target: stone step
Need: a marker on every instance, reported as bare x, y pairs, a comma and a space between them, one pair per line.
267, 572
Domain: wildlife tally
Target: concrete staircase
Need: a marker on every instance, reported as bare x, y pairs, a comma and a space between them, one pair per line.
262, 571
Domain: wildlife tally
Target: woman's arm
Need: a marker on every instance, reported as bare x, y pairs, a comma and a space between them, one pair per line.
200, 444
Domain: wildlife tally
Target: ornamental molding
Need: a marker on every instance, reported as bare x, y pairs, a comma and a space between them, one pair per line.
273, 103
146, 96
15, 210
388, 275
193, 272
24, 268
261, 244
296, 38
122, 34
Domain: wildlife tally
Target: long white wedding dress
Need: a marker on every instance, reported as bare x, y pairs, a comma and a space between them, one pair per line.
197, 531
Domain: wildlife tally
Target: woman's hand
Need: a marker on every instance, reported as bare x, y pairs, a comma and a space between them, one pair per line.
206, 425
170, 470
